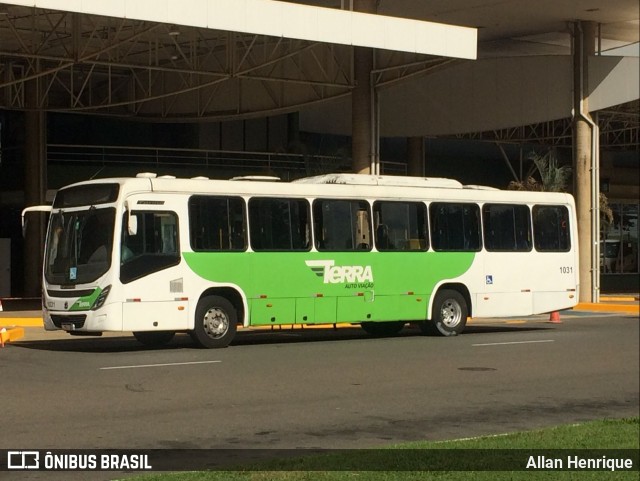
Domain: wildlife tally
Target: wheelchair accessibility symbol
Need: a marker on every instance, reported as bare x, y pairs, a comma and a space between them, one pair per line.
488, 279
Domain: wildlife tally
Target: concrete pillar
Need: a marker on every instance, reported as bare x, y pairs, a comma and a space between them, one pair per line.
584, 46
415, 156
35, 188
362, 130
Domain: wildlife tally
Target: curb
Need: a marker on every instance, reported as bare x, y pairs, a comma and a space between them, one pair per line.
21, 321
619, 298
603, 307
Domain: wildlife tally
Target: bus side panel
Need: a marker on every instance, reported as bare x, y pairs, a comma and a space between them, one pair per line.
507, 287
272, 311
355, 309
556, 285
410, 306
155, 316
503, 304
305, 310
544, 302
344, 286
326, 310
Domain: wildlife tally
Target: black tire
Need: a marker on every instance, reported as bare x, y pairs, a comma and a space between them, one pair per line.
382, 329
154, 338
449, 314
215, 322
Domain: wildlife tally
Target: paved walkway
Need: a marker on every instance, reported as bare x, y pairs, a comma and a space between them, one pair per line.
613, 303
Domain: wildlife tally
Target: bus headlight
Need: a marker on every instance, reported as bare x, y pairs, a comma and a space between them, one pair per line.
101, 298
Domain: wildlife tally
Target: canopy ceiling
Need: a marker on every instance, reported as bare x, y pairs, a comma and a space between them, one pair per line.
172, 66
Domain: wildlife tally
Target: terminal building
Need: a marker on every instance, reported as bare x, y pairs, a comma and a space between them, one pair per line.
472, 91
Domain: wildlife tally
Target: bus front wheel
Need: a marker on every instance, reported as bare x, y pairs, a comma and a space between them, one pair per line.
449, 314
215, 323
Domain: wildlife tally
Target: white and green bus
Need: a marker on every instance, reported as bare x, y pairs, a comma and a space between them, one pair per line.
156, 255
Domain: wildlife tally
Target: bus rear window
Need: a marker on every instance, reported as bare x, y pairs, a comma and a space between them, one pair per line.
551, 228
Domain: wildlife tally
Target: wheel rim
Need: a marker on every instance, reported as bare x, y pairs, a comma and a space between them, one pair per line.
451, 313
216, 323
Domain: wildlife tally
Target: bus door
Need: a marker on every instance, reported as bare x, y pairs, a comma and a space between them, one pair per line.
154, 295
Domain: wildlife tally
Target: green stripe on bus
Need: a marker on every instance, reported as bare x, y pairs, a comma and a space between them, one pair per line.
347, 287
85, 303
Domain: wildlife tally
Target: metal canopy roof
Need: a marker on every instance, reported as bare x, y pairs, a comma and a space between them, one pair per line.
285, 19
166, 60
526, 21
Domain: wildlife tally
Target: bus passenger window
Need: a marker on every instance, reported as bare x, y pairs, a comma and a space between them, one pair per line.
455, 226
342, 225
217, 223
506, 227
279, 224
400, 226
551, 231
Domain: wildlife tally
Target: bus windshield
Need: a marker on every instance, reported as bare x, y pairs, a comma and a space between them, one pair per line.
79, 245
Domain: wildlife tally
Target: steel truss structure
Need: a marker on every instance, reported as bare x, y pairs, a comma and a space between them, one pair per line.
619, 129
155, 71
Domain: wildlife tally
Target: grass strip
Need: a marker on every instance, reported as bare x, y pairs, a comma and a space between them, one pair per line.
453, 459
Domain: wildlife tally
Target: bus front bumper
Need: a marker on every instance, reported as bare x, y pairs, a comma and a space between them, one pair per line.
107, 318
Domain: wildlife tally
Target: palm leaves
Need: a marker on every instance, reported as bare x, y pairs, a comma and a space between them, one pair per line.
553, 177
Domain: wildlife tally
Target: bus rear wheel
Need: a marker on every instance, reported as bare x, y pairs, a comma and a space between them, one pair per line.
215, 323
449, 314
154, 338
382, 329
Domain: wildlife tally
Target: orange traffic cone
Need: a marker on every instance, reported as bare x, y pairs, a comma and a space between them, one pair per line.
10, 334
554, 317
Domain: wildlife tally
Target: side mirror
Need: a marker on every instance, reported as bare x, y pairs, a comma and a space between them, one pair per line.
35, 208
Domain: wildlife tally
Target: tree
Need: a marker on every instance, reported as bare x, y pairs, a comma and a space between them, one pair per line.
553, 177
606, 213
